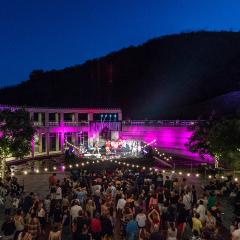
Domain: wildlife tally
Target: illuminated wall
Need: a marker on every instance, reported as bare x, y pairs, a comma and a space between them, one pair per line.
169, 139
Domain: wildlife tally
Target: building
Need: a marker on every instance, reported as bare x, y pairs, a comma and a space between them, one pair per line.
88, 127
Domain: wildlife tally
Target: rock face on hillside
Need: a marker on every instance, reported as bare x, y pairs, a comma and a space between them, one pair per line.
174, 76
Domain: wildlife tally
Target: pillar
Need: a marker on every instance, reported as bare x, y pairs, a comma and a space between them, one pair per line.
33, 147
56, 117
76, 117
47, 143
46, 119
120, 116
62, 119
73, 117
76, 139
90, 117
62, 141
40, 142
57, 142
40, 118
31, 115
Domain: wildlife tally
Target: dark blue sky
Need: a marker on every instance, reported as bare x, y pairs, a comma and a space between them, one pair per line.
53, 34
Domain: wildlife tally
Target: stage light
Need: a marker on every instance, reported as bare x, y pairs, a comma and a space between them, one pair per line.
25, 172
180, 173
235, 179
222, 177
83, 164
76, 165
163, 171
45, 169
156, 169
173, 171
37, 171
150, 169
12, 174
209, 176
54, 168
197, 175
144, 168
188, 174
70, 166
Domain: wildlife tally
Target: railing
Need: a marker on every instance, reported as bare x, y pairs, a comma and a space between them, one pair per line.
99, 126
76, 124
173, 123
53, 124
38, 124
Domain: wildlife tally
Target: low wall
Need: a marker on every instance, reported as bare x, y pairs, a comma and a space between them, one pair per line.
169, 139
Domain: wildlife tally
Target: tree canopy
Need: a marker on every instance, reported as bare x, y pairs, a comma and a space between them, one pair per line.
219, 138
16, 134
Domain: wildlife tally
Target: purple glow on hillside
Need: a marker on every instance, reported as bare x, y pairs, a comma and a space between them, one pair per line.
169, 139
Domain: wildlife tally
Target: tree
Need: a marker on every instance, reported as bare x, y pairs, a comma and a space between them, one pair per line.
17, 133
218, 138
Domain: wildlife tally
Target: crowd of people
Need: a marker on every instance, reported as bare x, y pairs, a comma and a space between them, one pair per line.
117, 204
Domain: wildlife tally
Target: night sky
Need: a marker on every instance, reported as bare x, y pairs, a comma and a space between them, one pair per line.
53, 34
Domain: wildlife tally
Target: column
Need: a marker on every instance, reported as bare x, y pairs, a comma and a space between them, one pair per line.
120, 116
33, 147
90, 117
46, 119
73, 134
47, 143
40, 118
76, 139
62, 119
76, 117
73, 117
57, 142
56, 117
31, 115
62, 141
40, 142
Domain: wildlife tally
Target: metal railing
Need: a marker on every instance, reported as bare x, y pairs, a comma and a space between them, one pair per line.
173, 123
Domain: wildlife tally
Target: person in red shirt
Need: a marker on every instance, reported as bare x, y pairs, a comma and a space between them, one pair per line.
96, 227
52, 180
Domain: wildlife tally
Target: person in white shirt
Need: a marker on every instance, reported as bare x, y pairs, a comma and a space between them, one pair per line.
141, 219
202, 211
75, 210
58, 193
121, 204
187, 200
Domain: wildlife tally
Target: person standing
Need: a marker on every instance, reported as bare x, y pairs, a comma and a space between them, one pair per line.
8, 229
